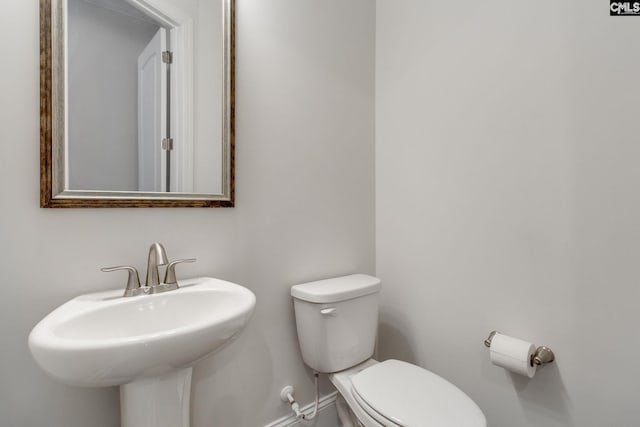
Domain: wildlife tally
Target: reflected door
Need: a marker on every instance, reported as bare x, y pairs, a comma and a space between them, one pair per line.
152, 115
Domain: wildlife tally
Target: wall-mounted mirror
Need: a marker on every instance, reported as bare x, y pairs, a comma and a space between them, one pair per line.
137, 103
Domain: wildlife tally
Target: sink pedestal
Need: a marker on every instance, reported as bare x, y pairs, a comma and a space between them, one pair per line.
161, 401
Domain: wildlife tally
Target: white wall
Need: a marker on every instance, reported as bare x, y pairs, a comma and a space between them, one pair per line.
507, 174
103, 100
305, 210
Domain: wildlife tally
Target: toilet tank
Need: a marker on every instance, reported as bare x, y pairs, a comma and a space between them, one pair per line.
337, 321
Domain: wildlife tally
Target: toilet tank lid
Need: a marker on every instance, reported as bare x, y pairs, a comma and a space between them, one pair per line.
336, 289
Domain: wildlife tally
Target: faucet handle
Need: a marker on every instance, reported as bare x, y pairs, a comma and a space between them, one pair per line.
133, 282
170, 275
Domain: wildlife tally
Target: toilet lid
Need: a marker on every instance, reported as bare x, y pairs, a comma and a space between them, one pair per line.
410, 396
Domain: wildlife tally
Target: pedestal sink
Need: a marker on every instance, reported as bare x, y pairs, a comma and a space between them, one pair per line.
147, 344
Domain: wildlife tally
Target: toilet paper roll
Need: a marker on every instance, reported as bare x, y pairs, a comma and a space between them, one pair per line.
513, 354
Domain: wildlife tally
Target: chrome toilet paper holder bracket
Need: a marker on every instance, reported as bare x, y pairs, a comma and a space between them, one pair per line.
542, 356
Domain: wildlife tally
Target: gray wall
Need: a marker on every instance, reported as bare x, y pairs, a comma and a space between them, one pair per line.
305, 210
103, 98
507, 198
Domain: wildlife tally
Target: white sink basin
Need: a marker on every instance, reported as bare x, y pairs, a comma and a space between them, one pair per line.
104, 339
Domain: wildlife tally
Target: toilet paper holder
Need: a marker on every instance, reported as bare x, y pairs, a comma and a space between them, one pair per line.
542, 356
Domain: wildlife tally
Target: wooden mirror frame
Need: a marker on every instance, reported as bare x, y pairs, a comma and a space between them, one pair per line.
48, 106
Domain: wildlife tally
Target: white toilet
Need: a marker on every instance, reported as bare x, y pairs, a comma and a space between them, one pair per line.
337, 321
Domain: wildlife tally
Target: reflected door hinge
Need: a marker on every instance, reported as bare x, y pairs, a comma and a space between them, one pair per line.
167, 57
167, 144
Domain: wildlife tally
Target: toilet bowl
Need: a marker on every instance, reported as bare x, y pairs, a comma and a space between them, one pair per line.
398, 394
342, 382
337, 321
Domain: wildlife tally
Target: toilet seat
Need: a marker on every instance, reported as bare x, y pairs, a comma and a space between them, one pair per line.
378, 417
399, 394
342, 381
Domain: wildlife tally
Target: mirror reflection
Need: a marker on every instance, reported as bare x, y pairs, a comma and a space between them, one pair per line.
142, 93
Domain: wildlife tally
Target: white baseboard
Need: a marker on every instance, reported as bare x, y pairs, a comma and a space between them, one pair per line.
291, 420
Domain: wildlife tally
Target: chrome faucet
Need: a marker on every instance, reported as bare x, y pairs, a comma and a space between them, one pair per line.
157, 257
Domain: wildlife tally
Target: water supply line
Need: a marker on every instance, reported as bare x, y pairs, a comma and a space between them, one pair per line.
287, 396
315, 406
